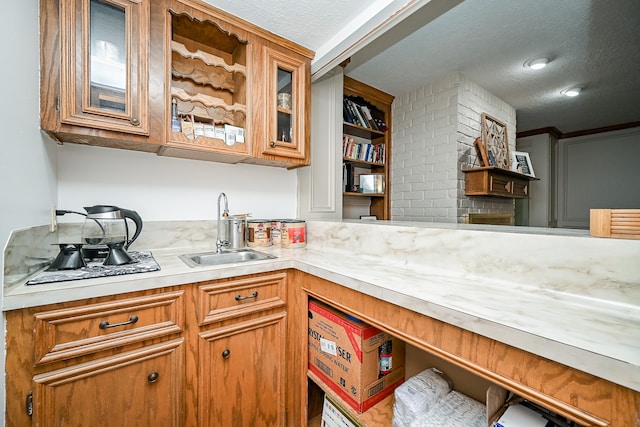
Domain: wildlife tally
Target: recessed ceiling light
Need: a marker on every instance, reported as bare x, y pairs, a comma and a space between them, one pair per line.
537, 64
574, 91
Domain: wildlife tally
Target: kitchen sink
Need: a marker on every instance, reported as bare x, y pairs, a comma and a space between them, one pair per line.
224, 257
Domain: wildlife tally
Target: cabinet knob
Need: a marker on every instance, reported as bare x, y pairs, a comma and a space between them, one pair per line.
272, 144
153, 377
226, 353
134, 121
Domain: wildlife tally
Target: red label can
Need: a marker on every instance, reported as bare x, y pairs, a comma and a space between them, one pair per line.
293, 234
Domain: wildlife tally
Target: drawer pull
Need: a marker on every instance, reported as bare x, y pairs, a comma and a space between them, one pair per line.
226, 354
253, 295
106, 325
153, 377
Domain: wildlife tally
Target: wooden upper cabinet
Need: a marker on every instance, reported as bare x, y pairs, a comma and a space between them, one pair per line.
209, 86
286, 111
226, 76
104, 65
175, 77
95, 72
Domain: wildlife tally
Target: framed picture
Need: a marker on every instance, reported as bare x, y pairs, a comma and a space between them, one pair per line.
494, 135
481, 153
522, 163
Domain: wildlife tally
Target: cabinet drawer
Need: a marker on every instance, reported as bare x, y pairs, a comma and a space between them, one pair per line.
72, 332
492, 181
224, 300
500, 185
520, 188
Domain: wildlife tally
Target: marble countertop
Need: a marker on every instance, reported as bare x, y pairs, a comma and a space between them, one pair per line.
596, 330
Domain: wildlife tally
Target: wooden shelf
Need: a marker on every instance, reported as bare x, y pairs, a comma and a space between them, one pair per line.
379, 106
356, 194
363, 163
501, 171
496, 182
379, 415
362, 132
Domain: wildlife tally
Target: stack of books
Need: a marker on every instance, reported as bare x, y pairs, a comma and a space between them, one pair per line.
360, 115
366, 152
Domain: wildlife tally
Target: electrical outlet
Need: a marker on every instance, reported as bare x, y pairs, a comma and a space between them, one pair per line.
54, 220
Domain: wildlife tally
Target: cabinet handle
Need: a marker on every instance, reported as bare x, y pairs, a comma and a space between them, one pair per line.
525, 190
134, 121
226, 354
253, 295
153, 377
508, 187
272, 144
106, 325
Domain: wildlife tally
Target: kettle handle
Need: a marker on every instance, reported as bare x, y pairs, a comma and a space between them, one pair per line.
133, 215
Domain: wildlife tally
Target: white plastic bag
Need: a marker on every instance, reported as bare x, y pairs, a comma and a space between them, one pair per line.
417, 395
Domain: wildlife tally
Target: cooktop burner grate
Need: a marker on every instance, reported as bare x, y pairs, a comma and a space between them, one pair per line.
144, 262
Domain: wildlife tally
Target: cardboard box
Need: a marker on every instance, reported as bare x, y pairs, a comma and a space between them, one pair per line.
343, 353
521, 416
234, 133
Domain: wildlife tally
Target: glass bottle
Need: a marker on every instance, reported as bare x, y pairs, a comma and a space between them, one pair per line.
175, 120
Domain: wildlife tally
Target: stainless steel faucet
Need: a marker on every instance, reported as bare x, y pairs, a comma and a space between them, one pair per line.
222, 243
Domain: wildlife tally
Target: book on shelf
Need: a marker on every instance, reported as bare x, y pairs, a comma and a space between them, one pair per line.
346, 113
358, 114
348, 177
369, 117
382, 126
363, 151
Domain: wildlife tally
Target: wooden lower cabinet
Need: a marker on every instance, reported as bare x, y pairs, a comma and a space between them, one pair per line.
116, 360
579, 396
201, 354
185, 362
241, 379
138, 388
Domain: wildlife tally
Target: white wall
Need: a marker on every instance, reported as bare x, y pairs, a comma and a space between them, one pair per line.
28, 159
541, 207
27, 162
163, 188
425, 155
434, 127
597, 171
320, 184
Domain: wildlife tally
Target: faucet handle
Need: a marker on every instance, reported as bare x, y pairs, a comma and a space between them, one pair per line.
221, 244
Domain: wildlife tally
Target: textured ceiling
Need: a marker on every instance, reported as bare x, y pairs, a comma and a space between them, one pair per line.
594, 44
309, 23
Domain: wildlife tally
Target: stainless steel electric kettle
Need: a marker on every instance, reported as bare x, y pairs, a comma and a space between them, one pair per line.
105, 232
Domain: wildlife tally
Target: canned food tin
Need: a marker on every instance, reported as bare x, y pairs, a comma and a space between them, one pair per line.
293, 234
258, 233
276, 228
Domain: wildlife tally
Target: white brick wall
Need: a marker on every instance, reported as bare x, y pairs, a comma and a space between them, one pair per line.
433, 131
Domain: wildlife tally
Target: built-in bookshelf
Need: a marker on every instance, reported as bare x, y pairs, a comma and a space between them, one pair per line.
366, 147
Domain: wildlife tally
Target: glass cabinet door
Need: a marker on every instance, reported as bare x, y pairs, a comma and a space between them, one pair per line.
285, 106
104, 64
